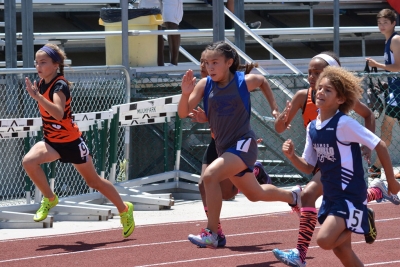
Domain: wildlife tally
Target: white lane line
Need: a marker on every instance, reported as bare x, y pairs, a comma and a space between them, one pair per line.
381, 263
137, 226
136, 245
255, 253
170, 242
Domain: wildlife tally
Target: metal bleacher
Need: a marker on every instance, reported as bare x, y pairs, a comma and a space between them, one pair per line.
196, 5
276, 29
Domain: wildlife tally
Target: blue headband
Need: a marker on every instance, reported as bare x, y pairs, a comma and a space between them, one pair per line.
52, 53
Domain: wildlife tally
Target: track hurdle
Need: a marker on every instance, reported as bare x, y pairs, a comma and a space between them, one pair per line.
159, 110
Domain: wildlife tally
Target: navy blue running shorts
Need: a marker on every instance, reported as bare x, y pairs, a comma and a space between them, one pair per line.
354, 214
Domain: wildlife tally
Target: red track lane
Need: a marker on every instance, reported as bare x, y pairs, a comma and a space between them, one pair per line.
249, 243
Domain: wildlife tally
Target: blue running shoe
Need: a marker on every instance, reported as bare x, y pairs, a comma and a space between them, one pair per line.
290, 257
221, 237
221, 241
386, 195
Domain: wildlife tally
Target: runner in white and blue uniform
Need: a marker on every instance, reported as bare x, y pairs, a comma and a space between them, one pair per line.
393, 96
335, 146
386, 19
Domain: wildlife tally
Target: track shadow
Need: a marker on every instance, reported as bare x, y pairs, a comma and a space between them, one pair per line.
261, 264
79, 246
267, 264
254, 248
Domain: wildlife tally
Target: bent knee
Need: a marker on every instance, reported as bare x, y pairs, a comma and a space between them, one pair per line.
324, 244
206, 178
28, 162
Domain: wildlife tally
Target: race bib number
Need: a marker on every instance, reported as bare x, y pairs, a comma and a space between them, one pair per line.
84, 149
355, 217
243, 145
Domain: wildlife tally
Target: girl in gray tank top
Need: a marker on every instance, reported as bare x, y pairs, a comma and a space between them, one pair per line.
227, 103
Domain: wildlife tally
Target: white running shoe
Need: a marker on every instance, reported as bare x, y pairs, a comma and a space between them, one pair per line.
297, 192
204, 239
386, 195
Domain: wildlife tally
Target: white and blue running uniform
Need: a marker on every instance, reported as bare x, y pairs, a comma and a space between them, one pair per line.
334, 145
393, 82
228, 111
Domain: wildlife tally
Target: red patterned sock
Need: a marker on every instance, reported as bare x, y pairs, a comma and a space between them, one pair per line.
374, 193
219, 223
308, 220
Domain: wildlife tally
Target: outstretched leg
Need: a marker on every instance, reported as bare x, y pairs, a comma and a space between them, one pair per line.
41, 153
93, 180
229, 165
308, 221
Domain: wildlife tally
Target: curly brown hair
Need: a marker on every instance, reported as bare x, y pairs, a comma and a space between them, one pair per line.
347, 85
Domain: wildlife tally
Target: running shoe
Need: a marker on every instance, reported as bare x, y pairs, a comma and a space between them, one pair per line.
290, 257
204, 239
127, 220
45, 206
374, 172
221, 237
221, 241
371, 236
386, 195
297, 192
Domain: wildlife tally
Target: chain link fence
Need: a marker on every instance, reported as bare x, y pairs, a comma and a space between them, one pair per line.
93, 89
152, 147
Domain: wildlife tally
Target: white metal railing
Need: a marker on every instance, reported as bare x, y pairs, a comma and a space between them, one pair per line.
261, 41
198, 32
100, 35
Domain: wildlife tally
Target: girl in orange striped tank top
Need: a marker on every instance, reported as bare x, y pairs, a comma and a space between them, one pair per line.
62, 138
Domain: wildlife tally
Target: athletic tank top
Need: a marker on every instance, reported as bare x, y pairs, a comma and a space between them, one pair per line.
393, 98
228, 111
53, 130
342, 173
310, 110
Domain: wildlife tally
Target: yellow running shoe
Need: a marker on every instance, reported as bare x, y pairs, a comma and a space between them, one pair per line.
371, 236
45, 206
127, 221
